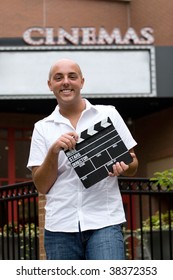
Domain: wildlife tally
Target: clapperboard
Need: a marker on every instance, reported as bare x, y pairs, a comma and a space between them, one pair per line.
97, 149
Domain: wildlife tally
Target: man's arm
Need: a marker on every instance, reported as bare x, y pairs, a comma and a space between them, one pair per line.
45, 175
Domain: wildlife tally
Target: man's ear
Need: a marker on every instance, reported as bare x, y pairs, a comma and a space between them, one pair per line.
49, 84
83, 80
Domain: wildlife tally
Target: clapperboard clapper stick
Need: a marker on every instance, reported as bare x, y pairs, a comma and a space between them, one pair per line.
97, 149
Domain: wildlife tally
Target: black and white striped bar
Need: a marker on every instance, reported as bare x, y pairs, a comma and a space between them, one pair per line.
98, 148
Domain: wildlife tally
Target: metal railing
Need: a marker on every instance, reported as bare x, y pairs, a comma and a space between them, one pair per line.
19, 222
148, 232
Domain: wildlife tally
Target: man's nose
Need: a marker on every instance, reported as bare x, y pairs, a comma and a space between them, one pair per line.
66, 80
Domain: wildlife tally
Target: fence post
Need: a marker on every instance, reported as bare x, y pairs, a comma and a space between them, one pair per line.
41, 219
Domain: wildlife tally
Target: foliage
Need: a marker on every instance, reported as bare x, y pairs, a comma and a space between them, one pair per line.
27, 230
164, 178
23, 236
163, 220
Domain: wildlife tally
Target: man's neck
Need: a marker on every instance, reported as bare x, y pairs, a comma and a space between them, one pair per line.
77, 109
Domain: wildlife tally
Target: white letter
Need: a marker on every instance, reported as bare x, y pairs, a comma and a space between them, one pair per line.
89, 37
146, 34
130, 37
49, 36
104, 37
62, 35
30, 41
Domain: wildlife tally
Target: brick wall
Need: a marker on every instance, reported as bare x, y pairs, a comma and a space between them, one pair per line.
156, 14
18, 15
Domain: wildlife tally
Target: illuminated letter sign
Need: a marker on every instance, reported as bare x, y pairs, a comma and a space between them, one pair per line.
38, 36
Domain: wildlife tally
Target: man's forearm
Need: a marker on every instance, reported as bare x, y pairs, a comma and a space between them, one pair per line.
45, 175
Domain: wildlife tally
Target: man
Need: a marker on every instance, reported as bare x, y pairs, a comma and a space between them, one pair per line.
80, 223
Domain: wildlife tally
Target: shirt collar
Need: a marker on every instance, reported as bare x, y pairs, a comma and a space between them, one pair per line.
57, 117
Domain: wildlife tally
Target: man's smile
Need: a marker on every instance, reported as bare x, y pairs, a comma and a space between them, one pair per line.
66, 91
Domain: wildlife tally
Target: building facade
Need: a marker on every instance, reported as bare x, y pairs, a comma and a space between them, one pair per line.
126, 51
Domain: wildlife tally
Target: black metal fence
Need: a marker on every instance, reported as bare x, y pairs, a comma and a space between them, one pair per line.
19, 222
148, 232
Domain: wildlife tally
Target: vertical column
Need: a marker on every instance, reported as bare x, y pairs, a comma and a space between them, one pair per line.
41, 220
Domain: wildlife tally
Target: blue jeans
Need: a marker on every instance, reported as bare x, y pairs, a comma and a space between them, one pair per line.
101, 244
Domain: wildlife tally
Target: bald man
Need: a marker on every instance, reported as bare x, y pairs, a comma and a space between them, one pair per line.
80, 223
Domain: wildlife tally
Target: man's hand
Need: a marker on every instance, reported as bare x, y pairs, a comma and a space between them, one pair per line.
66, 142
120, 168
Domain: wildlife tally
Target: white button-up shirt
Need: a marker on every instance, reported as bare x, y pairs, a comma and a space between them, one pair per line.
68, 202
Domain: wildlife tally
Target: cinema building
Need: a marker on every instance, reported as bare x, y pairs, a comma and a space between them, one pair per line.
125, 49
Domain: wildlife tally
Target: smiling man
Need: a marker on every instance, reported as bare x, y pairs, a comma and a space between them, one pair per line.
80, 223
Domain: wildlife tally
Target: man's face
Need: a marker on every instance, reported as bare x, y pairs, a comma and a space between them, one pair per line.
65, 81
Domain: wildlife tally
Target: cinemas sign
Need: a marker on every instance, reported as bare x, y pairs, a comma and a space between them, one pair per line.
125, 61
37, 36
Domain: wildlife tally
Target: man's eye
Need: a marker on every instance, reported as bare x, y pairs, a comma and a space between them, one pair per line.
58, 78
73, 77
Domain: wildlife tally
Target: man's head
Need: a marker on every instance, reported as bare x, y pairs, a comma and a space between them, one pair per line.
65, 80
64, 61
